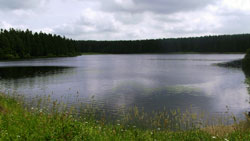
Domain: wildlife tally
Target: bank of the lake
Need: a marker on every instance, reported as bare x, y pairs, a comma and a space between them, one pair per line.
20, 123
232, 64
39, 57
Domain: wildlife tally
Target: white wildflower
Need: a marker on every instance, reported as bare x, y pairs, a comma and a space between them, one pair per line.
213, 137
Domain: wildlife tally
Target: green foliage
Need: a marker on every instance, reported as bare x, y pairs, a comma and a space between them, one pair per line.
19, 123
206, 44
25, 44
9, 56
246, 63
15, 44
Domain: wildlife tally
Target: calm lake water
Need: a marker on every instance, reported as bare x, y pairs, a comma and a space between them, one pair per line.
151, 82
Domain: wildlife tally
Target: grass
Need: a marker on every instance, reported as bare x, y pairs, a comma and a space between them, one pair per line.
18, 122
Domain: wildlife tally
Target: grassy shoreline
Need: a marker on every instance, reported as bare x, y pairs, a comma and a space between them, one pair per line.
22, 123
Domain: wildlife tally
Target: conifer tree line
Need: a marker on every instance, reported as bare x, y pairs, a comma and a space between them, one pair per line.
26, 44
207, 44
15, 44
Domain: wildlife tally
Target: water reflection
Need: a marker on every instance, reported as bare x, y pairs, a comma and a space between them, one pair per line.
247, 81
154, 99
151, 82
30, 71
31, 80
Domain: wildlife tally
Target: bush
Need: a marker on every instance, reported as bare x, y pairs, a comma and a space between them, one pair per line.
9, 56
246, 63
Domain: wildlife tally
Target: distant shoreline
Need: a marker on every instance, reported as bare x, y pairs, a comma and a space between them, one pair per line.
38, 57
231, 64
96, 53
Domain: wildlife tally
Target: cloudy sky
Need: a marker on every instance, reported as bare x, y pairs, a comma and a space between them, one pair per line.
127, 19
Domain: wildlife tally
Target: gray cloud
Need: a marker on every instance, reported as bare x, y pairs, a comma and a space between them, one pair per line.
20, 4
127, 19
156, 6
235, 23
91, 23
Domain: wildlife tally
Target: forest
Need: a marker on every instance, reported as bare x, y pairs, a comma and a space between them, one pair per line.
207, 44
18, 44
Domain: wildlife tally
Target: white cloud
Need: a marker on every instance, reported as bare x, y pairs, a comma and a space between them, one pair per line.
90, 23
241, 5
130, 19
44, 30
5, 25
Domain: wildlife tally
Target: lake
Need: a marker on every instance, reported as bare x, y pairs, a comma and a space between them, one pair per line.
152, 82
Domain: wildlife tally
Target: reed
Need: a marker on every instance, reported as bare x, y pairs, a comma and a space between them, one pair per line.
47, 119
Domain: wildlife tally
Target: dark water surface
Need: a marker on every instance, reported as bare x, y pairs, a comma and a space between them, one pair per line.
148, 81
